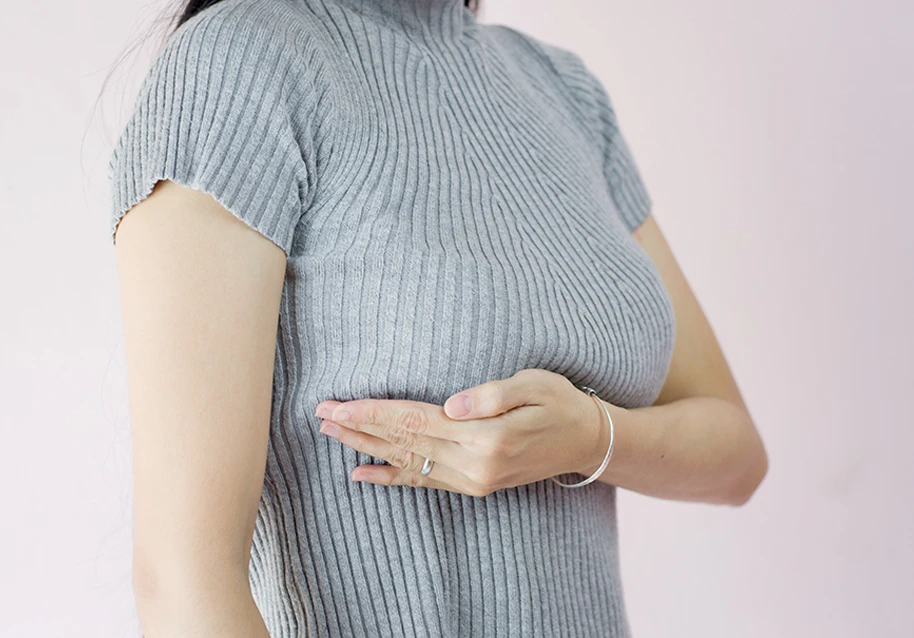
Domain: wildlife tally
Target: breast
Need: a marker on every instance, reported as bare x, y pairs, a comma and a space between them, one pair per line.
474, 237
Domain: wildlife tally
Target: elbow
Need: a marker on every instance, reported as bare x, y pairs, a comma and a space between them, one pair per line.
750, 480
147, 583
154, 591
172, 591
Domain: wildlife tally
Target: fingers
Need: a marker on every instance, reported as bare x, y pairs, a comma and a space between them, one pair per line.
405, 465
526, 387
411, 460
401, 422
388, 475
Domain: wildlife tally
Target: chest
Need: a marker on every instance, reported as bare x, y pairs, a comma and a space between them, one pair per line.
465, 231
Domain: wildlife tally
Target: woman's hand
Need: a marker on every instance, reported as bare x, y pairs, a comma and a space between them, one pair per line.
530, 426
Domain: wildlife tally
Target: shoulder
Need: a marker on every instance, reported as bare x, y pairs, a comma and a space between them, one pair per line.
237, 18
233, 105
587, 96
235, 54
566, 67
255, 36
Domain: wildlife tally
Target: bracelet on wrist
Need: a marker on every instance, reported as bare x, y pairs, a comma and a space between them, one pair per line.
609, 452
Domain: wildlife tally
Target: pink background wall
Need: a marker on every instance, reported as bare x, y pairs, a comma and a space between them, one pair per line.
777, 141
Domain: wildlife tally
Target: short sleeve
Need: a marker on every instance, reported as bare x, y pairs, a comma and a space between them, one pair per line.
624, 180
224, 109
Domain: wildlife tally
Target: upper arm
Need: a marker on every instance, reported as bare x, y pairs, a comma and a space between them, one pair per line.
200, 294
209, 179
698, 366
208, 185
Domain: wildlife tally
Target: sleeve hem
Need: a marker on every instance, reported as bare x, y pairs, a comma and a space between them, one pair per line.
627, 189
223, 110
632, 200
278, 234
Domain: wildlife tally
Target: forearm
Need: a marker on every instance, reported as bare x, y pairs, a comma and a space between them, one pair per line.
198, 607
695, 449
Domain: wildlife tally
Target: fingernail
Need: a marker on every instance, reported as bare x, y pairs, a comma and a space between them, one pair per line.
458, 405
330, 430
341, 416
323, 411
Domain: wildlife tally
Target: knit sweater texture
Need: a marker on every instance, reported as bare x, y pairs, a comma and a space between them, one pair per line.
456, 203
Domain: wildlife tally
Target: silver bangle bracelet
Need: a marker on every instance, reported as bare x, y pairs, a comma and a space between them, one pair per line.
609, 452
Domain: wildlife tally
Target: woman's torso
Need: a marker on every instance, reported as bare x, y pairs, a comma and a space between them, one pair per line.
461, 229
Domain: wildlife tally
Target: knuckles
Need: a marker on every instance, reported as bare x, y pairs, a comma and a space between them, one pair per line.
409, 458
400, 458
412, 422
399, 437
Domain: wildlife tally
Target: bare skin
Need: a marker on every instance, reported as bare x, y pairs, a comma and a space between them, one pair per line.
200, 296
696, 443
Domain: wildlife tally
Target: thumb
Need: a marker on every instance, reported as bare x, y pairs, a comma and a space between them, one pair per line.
490, 399
459, 406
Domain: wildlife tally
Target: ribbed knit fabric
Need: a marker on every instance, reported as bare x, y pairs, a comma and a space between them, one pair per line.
456, 203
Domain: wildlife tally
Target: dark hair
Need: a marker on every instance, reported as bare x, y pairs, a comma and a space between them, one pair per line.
188, 9
194, 7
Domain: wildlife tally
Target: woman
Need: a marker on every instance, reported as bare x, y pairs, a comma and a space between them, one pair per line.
388, 209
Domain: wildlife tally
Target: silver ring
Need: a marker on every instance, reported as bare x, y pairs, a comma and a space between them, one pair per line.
426, 467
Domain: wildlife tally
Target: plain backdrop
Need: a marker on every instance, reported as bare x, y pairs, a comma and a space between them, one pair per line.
777, 142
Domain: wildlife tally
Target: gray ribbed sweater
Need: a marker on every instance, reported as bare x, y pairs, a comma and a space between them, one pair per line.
456, 201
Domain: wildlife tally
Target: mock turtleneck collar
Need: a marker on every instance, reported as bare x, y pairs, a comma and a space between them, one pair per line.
434, 21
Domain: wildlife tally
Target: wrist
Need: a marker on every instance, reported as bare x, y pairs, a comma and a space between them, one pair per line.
598, 437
